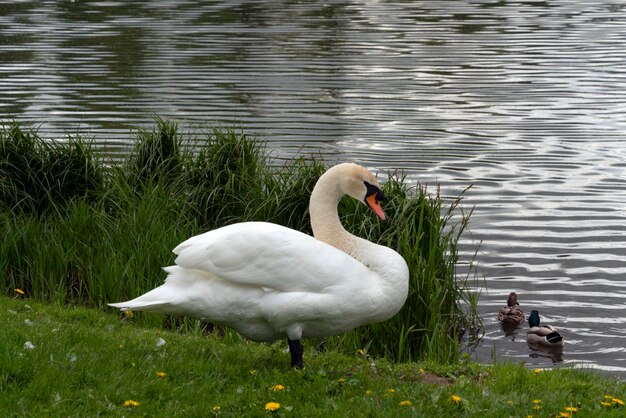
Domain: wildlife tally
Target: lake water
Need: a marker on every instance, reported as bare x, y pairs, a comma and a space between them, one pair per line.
524, 100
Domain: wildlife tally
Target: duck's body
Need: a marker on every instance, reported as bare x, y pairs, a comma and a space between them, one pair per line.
542, 336
511, 314
269, 282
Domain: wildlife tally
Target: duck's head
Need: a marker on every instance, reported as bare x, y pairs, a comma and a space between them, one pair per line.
533, 319
512, 300
356, 181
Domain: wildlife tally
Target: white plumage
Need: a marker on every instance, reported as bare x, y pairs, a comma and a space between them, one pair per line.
268, 282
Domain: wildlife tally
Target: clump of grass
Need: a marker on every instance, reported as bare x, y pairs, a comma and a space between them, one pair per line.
74, 171
38, 175
156, 156
21, 167
224, 181
104, 235
288, 191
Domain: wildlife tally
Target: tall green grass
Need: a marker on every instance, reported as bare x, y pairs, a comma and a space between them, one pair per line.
38, 175
75, 231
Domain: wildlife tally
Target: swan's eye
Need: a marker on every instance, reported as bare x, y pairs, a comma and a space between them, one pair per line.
374, 190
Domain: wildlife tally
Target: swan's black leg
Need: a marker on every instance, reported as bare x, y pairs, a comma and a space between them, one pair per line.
296, 350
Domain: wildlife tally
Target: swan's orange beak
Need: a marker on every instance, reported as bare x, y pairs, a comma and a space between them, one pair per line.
373, 204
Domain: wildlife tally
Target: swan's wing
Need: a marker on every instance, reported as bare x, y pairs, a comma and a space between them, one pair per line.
270, 256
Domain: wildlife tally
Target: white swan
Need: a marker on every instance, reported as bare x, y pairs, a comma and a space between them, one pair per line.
268, 282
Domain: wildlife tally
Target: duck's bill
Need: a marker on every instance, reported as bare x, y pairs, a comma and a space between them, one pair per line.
374, 205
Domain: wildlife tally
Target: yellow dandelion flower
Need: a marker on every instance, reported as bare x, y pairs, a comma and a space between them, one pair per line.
536, 401
618, 401
536, 407
391, 390
128, 314
20, 291
571, 409
341, 381
360, 352
369, 392
217, 408
406, 403
606, 404
608, 397
565, 415
278, 388
130, 402
272, 406
422, 371
253, 372
161, 374
455, 399
537, 371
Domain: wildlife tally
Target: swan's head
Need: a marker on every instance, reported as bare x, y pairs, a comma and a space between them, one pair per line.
359, 183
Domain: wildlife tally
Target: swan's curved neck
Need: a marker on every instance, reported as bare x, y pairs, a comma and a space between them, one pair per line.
388, 271
324, 217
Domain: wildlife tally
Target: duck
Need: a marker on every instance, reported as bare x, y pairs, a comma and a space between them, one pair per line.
542, 336
269, 282
511, 314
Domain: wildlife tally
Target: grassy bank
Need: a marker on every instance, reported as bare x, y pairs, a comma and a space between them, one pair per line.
76, 231
73, 361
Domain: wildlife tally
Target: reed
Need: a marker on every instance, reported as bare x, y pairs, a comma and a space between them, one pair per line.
156, 156
224, 182
37, 175
73, 232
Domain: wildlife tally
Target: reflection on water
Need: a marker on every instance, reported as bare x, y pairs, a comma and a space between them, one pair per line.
524, 100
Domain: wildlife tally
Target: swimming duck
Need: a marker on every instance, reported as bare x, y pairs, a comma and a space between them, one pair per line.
511, 314
542, 336
269, 282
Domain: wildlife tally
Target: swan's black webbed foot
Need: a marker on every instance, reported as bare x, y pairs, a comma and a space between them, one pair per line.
296, 350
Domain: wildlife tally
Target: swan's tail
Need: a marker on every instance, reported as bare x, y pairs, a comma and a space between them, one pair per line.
154, 301
198, 294
165, 299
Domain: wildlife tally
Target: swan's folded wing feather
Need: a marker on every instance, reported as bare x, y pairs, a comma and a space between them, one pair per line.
270, 256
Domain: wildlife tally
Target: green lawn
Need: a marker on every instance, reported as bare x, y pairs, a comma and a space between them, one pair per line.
74, 361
